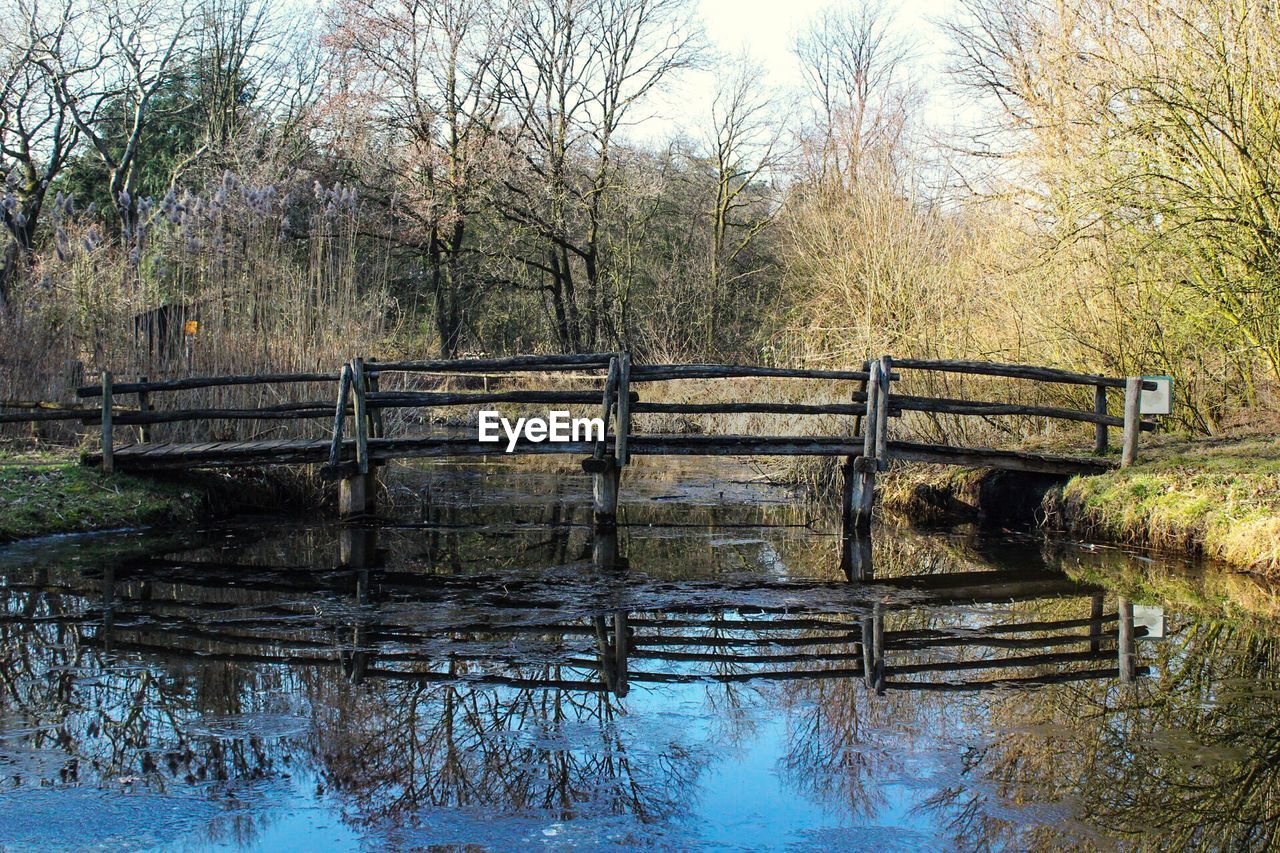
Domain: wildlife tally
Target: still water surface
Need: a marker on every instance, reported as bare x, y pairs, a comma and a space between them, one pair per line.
481, 671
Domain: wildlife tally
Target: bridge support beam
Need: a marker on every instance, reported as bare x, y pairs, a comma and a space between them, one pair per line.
605, 475
357, 495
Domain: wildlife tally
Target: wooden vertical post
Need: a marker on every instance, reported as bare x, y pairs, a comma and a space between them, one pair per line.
1125, 645
375, 413
862, 487
1132, 420
849, 475
855, 557
356, 492
1095, 623
624, 408
882, 414
144, 406
620, 642
340, 415
603, 466
867, 626
362, 415
878, 643
1099, 430
604, 494
108, 461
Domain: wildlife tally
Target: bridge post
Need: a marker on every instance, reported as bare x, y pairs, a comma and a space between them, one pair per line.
1124, 642
356, 495
605, 493
860, 472
108, 460
1100, 430
357, 492
855, 556
1132, 421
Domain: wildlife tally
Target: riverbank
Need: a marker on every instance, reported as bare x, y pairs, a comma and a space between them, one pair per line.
1216, 498
43, 494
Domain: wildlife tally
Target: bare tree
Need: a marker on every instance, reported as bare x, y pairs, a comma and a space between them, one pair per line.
37, 135
431, 71
854, 68
581, 71
117, 56
743, 149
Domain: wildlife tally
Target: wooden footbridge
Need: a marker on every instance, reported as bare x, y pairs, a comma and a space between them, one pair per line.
362, 393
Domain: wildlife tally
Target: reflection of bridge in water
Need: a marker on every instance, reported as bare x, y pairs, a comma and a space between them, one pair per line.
599, 627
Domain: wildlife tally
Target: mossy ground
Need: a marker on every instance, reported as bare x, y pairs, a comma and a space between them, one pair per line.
1219, 498
43, 495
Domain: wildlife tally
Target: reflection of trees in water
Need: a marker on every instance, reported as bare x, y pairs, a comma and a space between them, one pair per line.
389, 746
399, 726
403, 746
1190, 758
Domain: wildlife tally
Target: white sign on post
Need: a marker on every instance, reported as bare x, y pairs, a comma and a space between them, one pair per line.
1151, 617
1159, 401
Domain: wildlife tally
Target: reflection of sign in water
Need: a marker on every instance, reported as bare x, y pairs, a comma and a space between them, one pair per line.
191, 327
1159, 401
1151, 617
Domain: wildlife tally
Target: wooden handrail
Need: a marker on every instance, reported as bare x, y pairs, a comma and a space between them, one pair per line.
1014, 371
190, 382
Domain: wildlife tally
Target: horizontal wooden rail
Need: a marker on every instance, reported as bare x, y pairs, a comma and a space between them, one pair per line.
31, 416
727, 408
1014, 371
284, 412
951, 406
664, 372
475, 365
409, 399
191, 382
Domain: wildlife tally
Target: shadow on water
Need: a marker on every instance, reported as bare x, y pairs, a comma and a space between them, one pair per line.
484, 669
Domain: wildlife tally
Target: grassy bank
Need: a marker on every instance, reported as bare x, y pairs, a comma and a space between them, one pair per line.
43, 494
1218, 498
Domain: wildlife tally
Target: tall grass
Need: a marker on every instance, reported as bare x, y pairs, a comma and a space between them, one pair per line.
243, 278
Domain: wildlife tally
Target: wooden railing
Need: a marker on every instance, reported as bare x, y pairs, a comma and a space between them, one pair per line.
145, 415
866, 396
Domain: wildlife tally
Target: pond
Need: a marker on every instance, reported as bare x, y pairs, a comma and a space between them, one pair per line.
481, 670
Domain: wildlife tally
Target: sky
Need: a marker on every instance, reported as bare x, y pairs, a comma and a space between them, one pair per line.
766, 30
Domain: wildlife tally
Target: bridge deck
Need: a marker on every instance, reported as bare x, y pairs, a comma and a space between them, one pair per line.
316, 451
